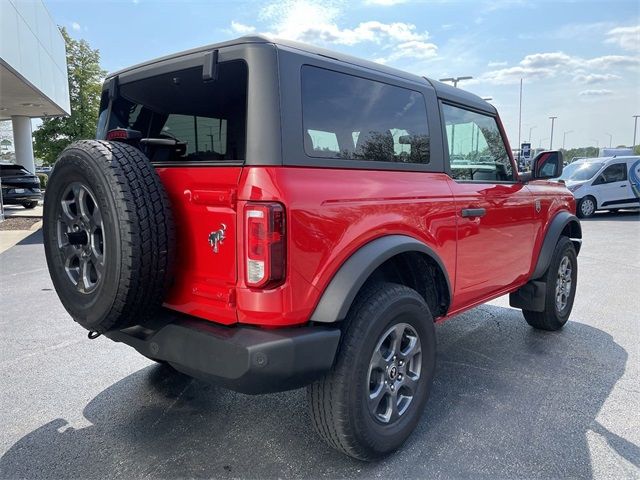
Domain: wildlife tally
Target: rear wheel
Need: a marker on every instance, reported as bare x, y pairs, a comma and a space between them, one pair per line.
561, 280
30, 205
586, 207
372, 400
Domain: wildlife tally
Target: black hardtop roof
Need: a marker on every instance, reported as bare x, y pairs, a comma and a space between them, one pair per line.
443, 90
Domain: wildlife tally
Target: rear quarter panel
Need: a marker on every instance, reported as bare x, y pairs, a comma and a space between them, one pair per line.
331, 213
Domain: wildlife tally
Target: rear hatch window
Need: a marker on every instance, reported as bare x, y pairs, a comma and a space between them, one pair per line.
181, 117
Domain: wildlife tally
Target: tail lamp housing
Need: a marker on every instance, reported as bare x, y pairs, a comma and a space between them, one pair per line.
265, 244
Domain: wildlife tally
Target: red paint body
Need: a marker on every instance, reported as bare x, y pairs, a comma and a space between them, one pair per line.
331, 213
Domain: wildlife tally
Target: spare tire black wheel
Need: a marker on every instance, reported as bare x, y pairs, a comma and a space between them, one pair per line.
108, 234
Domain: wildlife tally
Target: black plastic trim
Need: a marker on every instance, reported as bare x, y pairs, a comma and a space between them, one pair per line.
242, 358
616, 202
346, 283
551, 238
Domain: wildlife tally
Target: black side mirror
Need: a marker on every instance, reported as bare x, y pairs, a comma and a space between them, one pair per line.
547, 165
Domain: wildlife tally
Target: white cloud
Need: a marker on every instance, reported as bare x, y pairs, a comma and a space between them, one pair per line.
595, 93
384, 3
241, 28
414, 49
545, 60
612, 61
591, 78
317, 22
497, 64
550, 64
76, 26
514, 74
627, 38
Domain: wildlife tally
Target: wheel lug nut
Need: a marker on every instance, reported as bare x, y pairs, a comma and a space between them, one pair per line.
400, 377
392, 388
394, 358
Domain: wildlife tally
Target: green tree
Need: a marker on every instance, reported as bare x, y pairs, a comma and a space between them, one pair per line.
85, 80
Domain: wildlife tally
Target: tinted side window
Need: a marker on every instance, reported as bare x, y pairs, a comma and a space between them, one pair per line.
353, 118
613, 173
476, 149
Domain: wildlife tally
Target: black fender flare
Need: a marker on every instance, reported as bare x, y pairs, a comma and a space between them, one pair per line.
354, 272
556, 226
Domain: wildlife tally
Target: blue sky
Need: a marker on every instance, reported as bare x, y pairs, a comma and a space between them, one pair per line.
580, 60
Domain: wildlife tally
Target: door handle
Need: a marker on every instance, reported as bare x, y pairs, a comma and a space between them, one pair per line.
473, 212
622, 186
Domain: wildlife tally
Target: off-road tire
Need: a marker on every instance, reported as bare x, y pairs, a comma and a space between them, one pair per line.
552, 318
586, 213
138, 234
337, 402
30, 205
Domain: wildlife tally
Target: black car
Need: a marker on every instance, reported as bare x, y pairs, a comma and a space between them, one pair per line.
19, 186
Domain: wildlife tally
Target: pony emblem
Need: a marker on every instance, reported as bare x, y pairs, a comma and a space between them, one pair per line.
217, 238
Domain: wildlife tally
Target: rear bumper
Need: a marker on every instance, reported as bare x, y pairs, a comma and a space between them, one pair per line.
246, 359
20, 198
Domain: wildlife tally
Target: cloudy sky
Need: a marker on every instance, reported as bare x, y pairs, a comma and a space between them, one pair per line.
580, 60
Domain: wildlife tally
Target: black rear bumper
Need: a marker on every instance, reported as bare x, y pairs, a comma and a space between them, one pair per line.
20, 198
245, 359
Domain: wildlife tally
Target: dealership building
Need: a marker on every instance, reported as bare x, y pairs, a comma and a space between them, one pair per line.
33, 71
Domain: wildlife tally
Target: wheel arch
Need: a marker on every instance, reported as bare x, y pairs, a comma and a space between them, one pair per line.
563, 224
405, 259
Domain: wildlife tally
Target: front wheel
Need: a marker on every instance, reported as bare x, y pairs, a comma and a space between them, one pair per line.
586, 207
372, 399
561, 281
30, 205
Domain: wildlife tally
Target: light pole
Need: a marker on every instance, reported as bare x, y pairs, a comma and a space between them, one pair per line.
535, 126
520, 122
455, 80
553, 121
635, 129
610, 139
564, 137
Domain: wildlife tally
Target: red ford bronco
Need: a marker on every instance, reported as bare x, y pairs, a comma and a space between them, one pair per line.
268, 215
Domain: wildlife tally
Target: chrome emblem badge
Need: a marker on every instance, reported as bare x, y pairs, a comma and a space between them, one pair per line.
217, 238
538, 206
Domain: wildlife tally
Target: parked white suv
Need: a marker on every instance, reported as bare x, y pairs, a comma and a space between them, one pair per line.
608, 183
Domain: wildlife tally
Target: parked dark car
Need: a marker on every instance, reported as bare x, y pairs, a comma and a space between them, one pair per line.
19, 186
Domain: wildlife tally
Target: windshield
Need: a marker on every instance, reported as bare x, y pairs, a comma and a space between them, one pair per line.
568, 170
581, 171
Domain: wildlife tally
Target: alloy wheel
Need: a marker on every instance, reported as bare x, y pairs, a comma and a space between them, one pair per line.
80, 232
394, 373
563, 283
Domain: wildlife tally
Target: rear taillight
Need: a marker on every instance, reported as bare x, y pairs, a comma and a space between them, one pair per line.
265, 244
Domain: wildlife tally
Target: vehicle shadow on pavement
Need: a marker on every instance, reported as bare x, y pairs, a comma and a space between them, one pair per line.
33, 238
508, 401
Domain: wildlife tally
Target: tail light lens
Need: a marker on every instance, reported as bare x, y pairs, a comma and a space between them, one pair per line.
265, 244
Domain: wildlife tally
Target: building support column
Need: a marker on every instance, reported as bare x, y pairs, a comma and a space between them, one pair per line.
23, 142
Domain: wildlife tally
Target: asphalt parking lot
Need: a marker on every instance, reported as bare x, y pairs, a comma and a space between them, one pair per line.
508, 401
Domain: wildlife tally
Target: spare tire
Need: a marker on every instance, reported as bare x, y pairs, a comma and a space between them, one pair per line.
108, 234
